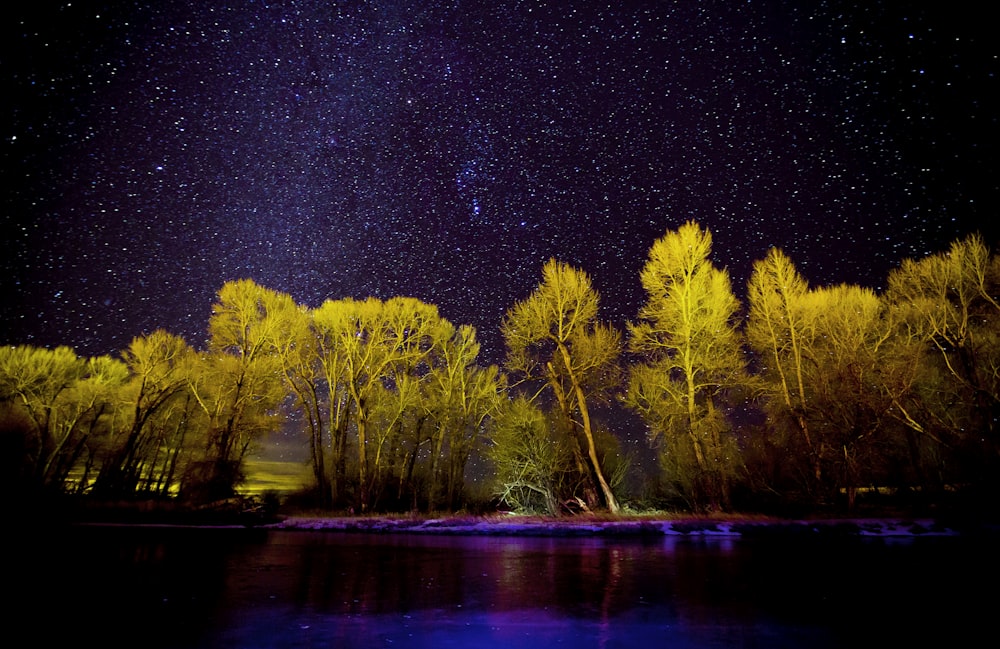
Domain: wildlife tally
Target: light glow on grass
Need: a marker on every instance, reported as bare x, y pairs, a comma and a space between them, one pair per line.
274, 475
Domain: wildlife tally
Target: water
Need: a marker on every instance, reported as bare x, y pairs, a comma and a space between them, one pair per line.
179, 587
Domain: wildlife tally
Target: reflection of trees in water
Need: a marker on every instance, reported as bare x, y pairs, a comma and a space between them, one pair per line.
585, 578
294, 587
686, 587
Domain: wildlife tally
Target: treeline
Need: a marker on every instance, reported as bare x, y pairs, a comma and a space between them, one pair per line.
804, 395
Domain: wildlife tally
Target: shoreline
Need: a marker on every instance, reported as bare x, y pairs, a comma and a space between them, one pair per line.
637, 524
689, 527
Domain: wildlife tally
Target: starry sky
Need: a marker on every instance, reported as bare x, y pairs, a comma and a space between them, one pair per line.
445, 150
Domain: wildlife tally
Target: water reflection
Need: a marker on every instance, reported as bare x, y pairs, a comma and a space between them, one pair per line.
245, 588
450, 591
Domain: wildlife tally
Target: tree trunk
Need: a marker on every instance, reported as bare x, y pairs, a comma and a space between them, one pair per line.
608, 495
362, 461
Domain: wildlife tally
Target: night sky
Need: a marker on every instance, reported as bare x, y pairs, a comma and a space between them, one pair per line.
445, 150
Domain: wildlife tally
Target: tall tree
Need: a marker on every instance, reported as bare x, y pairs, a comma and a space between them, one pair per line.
32, 379
779, 329
948, 309
330, 324
376, 343
460, 396
239, 387
296, 346
692, 355
159, 365
89, 409
847, 364
554, 336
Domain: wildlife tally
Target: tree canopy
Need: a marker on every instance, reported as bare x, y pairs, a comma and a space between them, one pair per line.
807, 396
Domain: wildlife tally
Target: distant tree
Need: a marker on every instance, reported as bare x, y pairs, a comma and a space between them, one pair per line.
554, 336
691, 348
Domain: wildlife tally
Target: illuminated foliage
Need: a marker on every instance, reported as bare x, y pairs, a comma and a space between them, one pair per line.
237, 384
846, 367
532, 463
460, 395
948, 318
87, 413
159, 366
296, 347
777, 329
894, 390
33, 382
691, 351
376, 347
554, 336
859, 390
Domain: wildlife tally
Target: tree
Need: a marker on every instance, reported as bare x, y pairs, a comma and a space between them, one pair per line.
159, 365
827, 370
778, 329
33, 379
85, 413
330, 325
846, 369
532, 465
296, 345
376, 343
461, 395
948, 315
239, 384
554, 336
691, 351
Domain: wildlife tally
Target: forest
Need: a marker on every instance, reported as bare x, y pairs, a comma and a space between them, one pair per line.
802, 398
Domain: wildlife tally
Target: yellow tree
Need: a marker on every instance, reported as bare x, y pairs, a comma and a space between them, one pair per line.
32, 381
374, 342
460, 396
554, 336
159, 365
779, 329
692, 355
330, 324
847, 361
393, 409
296, 347
239, 386
88, 410
949, 316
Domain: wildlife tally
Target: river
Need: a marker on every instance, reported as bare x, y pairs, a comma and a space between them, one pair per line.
150, 587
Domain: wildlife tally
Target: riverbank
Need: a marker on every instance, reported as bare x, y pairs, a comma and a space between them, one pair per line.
649, 524
583, 526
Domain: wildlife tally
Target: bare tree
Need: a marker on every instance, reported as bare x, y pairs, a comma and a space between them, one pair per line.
691, 350
554, 336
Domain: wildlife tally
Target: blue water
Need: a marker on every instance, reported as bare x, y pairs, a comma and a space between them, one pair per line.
212, 588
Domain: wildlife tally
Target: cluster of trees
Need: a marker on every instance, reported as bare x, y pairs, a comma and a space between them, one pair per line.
853, 390
389, 394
